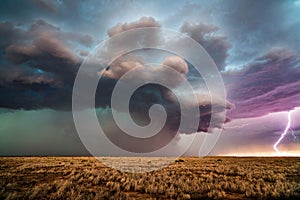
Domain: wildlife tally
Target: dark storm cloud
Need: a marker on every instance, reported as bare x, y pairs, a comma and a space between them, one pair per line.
45, 44
34, 95
44, 67
271, 83
25, 75
151, 94
38, 65
217, 46
45, 53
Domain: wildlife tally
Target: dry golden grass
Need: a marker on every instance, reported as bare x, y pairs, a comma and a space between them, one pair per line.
191, 178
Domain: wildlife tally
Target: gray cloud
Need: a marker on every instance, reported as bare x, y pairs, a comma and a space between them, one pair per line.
50, 50
45, 53
151, 94
38, 65
26, 75
41, 26
269, 84
129, 62
9, 34
255, 27
217, 46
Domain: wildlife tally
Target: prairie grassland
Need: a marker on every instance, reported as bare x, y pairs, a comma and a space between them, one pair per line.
191, 178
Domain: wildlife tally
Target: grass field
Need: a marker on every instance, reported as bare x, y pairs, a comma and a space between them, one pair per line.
189, 178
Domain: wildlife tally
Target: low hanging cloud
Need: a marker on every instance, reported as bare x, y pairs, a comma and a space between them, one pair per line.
45, 45
26, 75
42, 46
47, 53
143, 99
38, 65
151, 94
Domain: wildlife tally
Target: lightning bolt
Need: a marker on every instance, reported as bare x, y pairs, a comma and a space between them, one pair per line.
284, 133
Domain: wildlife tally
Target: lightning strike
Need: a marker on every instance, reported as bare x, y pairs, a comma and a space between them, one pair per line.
284, 133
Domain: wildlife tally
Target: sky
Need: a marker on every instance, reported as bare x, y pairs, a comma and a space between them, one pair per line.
254, 44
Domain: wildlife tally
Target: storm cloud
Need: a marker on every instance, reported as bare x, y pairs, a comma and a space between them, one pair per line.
38, 65
151, 94
216, 45
269, 84
45, 65
43, 43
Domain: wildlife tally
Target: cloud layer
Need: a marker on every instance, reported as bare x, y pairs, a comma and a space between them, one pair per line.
217, 46
269, 84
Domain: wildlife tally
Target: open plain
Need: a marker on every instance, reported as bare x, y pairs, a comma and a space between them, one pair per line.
187, 178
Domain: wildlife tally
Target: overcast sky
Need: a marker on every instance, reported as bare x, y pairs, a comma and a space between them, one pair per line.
255, 45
